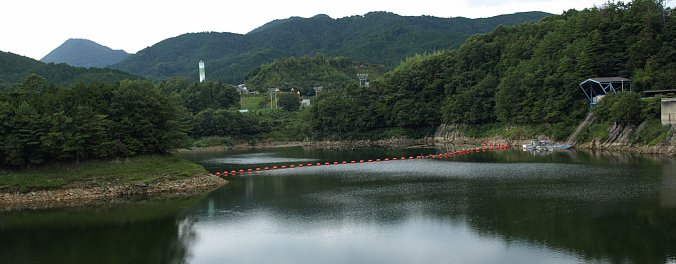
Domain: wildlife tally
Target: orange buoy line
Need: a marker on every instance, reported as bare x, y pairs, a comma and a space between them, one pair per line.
484, 148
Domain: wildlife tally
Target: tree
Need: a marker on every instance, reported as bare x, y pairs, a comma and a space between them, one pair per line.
203, 95
289, 101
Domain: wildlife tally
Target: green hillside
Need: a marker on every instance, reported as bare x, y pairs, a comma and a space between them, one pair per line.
375, 38
522, 75
84, 53
14, 68
307, 72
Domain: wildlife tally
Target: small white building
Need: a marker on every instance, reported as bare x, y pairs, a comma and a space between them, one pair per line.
305, 102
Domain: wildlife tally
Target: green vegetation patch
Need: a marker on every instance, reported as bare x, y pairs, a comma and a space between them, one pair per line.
594, 131
652, 134
252, 102
139, 169
557, 131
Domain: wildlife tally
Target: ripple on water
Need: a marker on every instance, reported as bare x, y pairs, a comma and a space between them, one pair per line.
256, 158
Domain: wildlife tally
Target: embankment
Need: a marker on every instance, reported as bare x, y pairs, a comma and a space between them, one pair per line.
619, 139
76, 195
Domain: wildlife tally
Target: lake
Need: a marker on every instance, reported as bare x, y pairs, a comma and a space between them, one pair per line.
489, 207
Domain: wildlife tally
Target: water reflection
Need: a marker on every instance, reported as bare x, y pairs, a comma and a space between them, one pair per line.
668, 193
147, 232
569, 207
255, 158
506, 207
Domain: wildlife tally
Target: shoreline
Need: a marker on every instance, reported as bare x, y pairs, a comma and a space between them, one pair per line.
323, 144
669, 150
80, 196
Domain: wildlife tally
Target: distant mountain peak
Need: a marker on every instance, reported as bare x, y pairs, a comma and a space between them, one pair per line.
85, 53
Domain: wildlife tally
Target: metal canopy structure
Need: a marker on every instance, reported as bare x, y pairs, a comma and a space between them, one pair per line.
596, 88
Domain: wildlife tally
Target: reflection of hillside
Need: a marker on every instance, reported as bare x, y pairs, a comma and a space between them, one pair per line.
638, 232
142, 233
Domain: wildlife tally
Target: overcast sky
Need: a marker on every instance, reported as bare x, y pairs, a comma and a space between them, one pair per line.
35, 27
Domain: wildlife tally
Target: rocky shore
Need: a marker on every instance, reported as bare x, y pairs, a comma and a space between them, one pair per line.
74, 196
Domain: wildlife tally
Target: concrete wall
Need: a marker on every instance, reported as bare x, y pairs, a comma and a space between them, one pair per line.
669, 111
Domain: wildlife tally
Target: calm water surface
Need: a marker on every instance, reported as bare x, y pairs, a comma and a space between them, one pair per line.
506, 207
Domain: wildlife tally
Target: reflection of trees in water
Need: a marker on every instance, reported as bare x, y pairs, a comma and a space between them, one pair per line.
605, 219
634, 231
95, 237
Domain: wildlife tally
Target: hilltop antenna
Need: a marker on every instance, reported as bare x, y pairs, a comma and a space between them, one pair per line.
202, 77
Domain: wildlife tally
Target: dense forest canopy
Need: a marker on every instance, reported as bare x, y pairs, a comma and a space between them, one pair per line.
526, 74
40, 122
375, 38
521, 75
13, 68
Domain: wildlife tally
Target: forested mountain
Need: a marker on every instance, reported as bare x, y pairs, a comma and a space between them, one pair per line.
14, 68
526, 74
307, 72
85, 53
375, 38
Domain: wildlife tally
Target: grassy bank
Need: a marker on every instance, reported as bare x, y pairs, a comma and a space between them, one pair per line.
136, 170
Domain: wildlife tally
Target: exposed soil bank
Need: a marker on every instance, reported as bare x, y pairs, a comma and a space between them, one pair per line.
75, 196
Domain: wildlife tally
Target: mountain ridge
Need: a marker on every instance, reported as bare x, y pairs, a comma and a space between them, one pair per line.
375, 38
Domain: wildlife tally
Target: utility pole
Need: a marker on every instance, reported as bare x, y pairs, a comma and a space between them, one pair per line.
271, 90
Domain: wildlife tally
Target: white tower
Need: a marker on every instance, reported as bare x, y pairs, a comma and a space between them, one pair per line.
201, 71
